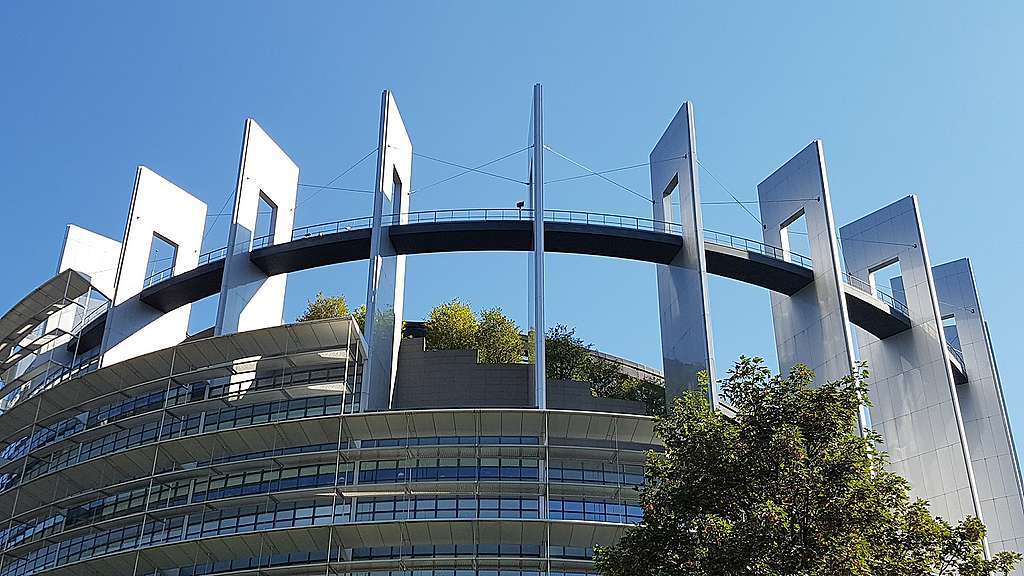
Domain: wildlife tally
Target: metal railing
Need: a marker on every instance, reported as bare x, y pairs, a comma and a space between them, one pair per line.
460, 215
158, 276
212, 255
877, 293
94, 314
724, 239
204, 258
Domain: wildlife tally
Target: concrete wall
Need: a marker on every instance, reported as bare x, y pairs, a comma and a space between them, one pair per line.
454, 379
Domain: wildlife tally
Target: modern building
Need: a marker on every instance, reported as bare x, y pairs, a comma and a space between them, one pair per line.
129, 447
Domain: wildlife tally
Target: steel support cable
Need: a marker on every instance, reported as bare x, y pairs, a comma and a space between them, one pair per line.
601, 176
219, 212
321, 188
612, 170
729, 192
339, 188
468, 169
728, 202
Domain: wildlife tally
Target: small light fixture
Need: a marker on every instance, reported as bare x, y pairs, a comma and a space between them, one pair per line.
520, 204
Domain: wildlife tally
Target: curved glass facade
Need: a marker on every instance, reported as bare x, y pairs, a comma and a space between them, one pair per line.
258, 458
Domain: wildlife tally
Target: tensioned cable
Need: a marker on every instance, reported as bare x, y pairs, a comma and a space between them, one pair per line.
611, 170
217, 216
601, 176
467, 170
599, 172
340, 188
728, 202
335, 179
727, 191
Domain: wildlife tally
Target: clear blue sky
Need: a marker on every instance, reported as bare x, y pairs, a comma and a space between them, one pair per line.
908, 97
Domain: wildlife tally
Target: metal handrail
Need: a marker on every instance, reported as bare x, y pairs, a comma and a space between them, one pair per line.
507, 214
213, 255
204, 258
741, 243
158, 276
878, 293
96, 313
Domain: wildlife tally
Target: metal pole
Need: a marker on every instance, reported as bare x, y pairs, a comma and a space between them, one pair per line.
537, 198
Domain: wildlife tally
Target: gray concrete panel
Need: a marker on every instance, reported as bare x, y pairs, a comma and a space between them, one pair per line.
914, 403
993, 458
686, 344
812, 325
385, 292
249, 297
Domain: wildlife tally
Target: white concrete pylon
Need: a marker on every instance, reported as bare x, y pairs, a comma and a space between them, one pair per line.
913, 393
812, 326
989, 438
91, 254
686, 343
158, 209
385, 292
249, 299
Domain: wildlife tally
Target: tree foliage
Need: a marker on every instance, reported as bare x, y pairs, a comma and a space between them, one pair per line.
568, 357
452, 326
323, 307
785, 487
498, 338
360, 316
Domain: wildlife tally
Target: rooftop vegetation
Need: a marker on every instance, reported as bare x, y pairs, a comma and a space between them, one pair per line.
453, 325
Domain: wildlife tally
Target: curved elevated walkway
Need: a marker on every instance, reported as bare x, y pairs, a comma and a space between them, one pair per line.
627, 237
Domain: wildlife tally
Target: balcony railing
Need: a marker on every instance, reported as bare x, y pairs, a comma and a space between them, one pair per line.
204, 258
723, 239
877, 293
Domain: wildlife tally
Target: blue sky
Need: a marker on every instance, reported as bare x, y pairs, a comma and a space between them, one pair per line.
908, 98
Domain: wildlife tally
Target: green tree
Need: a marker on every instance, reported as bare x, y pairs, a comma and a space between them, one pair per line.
498, 338
785, 487
323, 307
452, 326
566, 357
647, 390
360, 315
